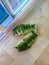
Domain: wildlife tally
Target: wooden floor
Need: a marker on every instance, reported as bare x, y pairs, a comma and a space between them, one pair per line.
38, 54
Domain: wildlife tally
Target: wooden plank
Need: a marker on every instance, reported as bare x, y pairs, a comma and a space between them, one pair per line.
5, 59
44, 58
45, 30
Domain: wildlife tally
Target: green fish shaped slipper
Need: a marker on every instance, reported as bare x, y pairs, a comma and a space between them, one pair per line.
27, 42
24, 28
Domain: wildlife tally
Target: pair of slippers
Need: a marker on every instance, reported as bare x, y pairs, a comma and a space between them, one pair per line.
30, 39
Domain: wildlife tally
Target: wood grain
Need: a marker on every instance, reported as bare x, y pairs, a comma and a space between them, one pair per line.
5, 59
44, 58
38, 53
